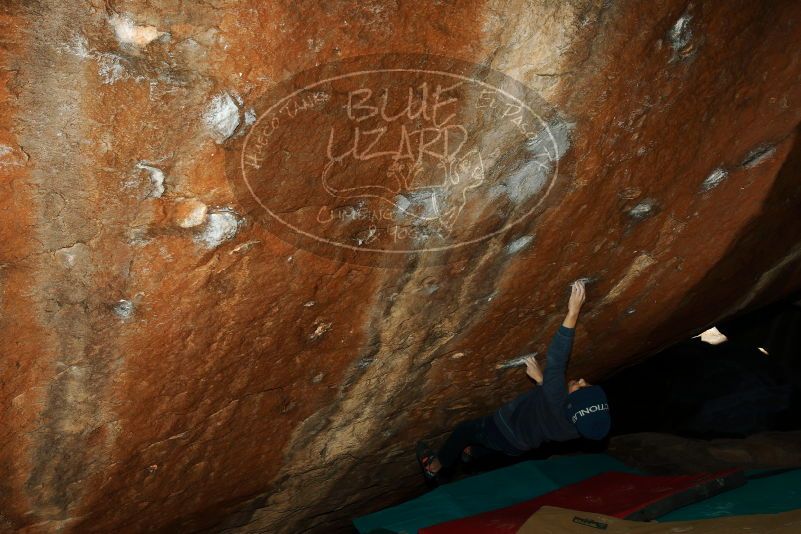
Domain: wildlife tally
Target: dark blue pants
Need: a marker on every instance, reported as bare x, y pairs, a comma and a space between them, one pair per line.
483, 437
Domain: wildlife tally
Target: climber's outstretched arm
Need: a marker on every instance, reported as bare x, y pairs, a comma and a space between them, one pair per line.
577, 295
554, 382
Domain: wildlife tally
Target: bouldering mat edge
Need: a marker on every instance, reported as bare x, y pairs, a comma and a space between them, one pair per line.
564, 521
624, 495
468, 496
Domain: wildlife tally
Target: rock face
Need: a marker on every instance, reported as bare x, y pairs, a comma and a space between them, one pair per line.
174, 360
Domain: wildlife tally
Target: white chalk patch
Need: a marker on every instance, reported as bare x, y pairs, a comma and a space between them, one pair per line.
156, 179
193, 214
110, 68
221, 117
250, 117
79, 47
364, 363
5, 150
528, 179
680, 35
401, 204
516, 362
128, 33
221, 226
519, 244
714, 179
558, 133
430, 289
642, 210
124, 308
547, 147
496, 191
69, 256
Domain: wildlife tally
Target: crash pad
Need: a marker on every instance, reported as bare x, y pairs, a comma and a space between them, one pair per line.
618, 494
764, 493
556, 520
508, 485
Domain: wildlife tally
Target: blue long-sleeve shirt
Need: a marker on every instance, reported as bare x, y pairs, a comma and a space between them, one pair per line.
538, 415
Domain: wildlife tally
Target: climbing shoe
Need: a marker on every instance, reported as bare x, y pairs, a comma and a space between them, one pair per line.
424, 457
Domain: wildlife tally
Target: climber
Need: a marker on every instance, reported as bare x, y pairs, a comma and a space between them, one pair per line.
553, 410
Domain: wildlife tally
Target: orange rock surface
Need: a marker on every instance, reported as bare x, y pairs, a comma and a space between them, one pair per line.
174, 362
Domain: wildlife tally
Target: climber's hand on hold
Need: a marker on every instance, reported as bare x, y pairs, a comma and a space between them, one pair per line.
577, 296
533, 369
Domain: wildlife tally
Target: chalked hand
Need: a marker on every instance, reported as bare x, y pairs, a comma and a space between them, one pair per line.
533, 369
577, 295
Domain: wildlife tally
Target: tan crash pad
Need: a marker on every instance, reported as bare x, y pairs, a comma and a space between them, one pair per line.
553, 520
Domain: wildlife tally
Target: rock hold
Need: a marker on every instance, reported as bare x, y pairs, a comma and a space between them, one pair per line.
128, 33
221, 117
221, 225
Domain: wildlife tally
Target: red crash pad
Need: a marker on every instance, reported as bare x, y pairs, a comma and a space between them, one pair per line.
638, 497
